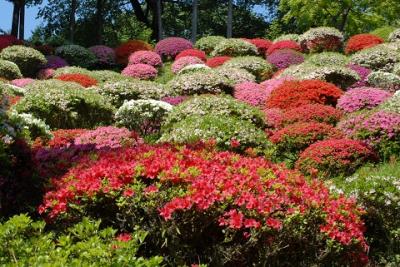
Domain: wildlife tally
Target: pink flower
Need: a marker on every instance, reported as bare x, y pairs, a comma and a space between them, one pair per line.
140, 71
146, 57
124, 237
185, 61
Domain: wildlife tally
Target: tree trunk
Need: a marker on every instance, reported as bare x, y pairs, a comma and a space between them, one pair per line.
74, 6
22, 20
137, 9
15, 19
99, 22
344, 19
159, 20
229, 22
194, 21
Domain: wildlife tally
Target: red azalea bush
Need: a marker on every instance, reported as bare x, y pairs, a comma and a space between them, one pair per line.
286, 44
294, 138
140, 71
311, 113
293, 94
123, 51
217, 61
261, 44
146, 57
198, 203
362, 41
334, 157
62, 137
8, 40
82, 79
192, 53
168, 48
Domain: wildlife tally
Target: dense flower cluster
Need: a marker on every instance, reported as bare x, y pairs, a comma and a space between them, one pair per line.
284, 44
217, 61
104, 54
394, 36
392, 104
22, 82
362, 98
146, 57
172, 46
379, 57
124, 50
321, 39
77, 55
71, 70
251, 93
361, 41
328, 58
182, 62
45, 74
208, 43
9, 70
55, 62
255, 65
82, 79
282, 59
334, 157
293, 94
362, 73
8, 40
192, 53
194, 68
140, 71
384, 80
234, 48
261, 44
235, 75
174, 100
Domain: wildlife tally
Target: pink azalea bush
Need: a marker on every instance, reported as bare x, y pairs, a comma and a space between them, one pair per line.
363, 72
140, 71
251, 93
185, 61
172, 46
272, 84
22, 82
104, 54
362, 98
174, 100
282, 59
145, 57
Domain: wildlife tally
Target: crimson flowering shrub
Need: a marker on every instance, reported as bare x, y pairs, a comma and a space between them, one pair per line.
8, 40
292, 139
170, 47
82, 79
311, 113
261, 44
293, 94
192, 53
362, 98
146, 57
283, 58
217, 61
285, 44
140, 71
198, 204
361, 41
334, 157
251, 93
182, 62
45, 49
362, 73
55, 62
105, 55
380, 130
62, 137
123, 51
273, 118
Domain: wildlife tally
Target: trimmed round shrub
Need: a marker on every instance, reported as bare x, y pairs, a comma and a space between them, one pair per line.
218, 105
22, 82
294, 138
8, 40
228, 132
77, 55
82, 79
287, 37
261, 44
103, 76
182, 62
234, 48
321, 39
283, 58
120, 91
217, 61
45, 74
255, 65
394, 36
208, 43
140, 71
71, 70
284, 44
333, 158
292, 94
65, 105
124, 50
362, 73
392, 104
143, 116
328, 58
200, 82
362, 98
384, 80
251, 93
105, 55
235, 75
383, 32
376, 58
362, 41
271, 84
9, 70
28, 60
170, 47
194, 68
146, 57
380, 130
311, 113
192, 53
55, 62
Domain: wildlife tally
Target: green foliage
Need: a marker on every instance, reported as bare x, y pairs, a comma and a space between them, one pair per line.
25, 242
208, 43
165, 74
27, 59
9, 70
72, 70
257, 66
380, 57
383, 32
103, 76
328, 58
77, 55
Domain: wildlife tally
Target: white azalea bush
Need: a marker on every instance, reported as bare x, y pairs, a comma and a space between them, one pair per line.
395, 36
31, 127
384, 80
9, 70
380, 57
143, 116
255, 65
234, 48
392, 104
328, 58
235, 75
71, 70
321, 39
194, 68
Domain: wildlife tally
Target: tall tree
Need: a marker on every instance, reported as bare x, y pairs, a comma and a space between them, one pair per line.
15, 19
99, 21
230, 18
72, 13
21, 19
194, 20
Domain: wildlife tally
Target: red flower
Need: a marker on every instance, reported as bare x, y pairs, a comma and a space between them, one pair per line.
274, 223
124, 237
285, 44
128, 193
217, 61
235, 143
362, 41
192, 53
123, 51
82, 79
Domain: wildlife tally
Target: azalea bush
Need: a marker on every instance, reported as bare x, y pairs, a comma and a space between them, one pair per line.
192, 53
255, 65
392, 104
145, 57
395, 35
170, 47
261, 44
362, 73
124, 50
208, 43
379, 57
28, 60
182, 62
77, 55
140, 71
105, 55
384, 80
321, 39
234, 48
283, 45
82, 79
362, 98
235, 75
197, 203
362, 41
282, 59
9, 70
328, 58
22, 82
217, 61
251, 93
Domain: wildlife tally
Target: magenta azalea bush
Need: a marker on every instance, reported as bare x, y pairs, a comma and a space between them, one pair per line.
185, 61
105, 55
22, 82
362, 98
282, 59
172, 46
363, 72
146, 57
55, 62
174, 100
140, 71
251, 93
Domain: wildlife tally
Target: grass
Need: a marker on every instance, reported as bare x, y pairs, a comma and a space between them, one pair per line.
165, 74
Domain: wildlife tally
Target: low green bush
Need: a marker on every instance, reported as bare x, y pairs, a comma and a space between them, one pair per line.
9, 70
28, 60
